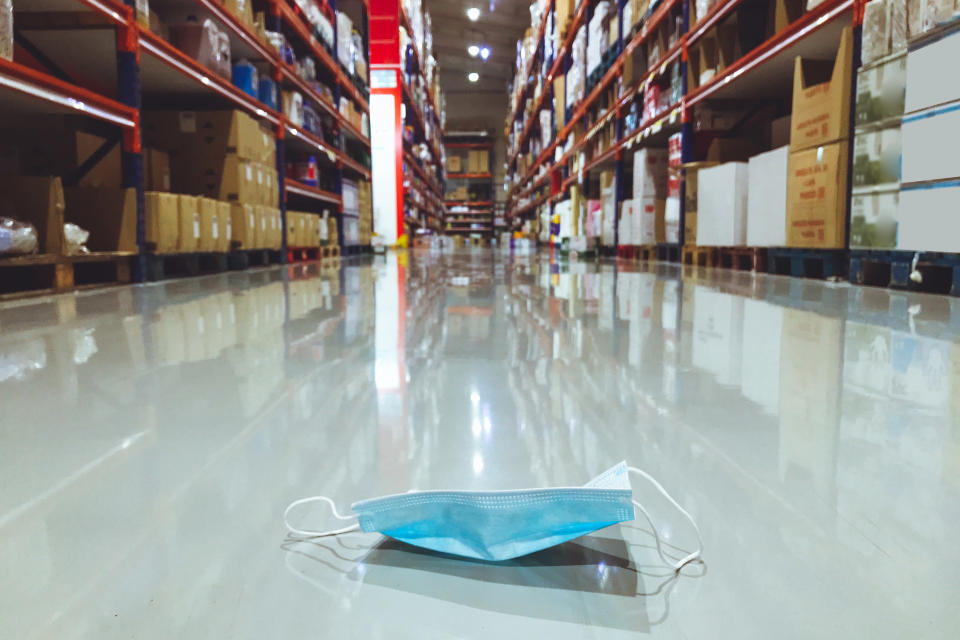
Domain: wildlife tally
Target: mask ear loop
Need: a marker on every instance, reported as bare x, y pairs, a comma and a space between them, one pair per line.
317, 534
677, 565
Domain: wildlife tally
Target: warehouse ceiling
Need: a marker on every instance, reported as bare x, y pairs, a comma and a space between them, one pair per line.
500, 25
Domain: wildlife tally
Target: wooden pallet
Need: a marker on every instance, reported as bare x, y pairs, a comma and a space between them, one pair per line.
642, 252
808, 263
696, 256
241, 260
179, 265
303, 254
668, 253
743, 258
44, 274
939, 272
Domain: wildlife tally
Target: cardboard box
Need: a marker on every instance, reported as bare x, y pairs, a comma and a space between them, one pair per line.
722, 205
649, 215
162, 211
225, 220
873, 218
209, 225
39, 201
767, 199
650, 173
108, 213
275, 238
929, 81
690, 227
876, 157
454, 164
205, 137
927, 219
156, 170
243, 221
58, 151
821, 98
188, 232
881, 91
816, 197
926, 153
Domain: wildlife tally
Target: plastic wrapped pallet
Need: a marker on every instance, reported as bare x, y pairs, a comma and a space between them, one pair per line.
344, 40
876, 43
897, 24
205, 42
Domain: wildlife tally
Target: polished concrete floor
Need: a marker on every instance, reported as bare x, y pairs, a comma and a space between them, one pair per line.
151, 437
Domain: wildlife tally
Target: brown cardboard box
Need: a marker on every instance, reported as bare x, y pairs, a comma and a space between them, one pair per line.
238, 181
108, 213
156, 170
188, 233
243, 221
293, 229
263, 226
821, 98
690, 227
225, 231
454, 164
39, 201
58, 151
274, 228
816, 197
202, 136
209, 225
162, 221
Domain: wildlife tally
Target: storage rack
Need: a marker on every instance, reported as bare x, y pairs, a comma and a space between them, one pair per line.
126, 68
474, 215
423, 205
757, 74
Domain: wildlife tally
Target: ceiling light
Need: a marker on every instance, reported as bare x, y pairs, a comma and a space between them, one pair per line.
485, 52
473, 13
473, 76
473, 50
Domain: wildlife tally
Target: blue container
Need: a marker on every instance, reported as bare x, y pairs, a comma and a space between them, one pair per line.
268, 93
245, 78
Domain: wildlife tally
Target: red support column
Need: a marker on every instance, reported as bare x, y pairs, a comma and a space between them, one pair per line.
386, 122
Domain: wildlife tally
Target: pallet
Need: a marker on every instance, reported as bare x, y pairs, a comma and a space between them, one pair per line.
939, 272
642, 252
696, 256
330, 252
808, 263
668, 253
303, 254
241, 260
743, 258
178, 265
357, 250
45, 274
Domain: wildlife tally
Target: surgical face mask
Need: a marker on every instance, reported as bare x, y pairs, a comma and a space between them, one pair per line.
501, 525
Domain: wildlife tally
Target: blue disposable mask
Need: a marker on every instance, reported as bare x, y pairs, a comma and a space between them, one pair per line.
501, 525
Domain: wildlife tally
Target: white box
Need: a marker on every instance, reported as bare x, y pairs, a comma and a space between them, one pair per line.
671, 220
928, 219
927, 155
767, 199
931, 74
564, 211
645, 215
722, 205
873, 218
718, 335
762, 337
609, 198
650, 173
626, 223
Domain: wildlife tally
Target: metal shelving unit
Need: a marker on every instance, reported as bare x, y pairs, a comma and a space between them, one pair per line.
762, 73
471, 216
102, 39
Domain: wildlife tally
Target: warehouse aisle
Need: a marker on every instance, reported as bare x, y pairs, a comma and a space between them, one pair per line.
151, 437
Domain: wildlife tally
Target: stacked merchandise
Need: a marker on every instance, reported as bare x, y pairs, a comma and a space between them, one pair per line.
365, 210
930, 170
881, 85
598, 39
649, 196
819, 130
351, 213
205, 157
576, 79
304, 229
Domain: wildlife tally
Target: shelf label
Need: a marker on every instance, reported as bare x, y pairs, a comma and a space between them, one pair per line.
383, 79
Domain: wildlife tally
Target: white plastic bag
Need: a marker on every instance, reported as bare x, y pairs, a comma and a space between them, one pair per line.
16, 237
76, 239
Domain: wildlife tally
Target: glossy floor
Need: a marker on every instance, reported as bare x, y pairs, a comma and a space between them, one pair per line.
150, 438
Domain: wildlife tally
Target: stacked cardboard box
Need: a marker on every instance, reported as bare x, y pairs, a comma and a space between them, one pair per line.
303, 229
478, 161
820, 126
210, 156
649, 195
365, 210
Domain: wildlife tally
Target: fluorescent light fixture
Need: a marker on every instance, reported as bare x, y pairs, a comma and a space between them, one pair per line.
473, 50
473, 76
485, 52
473, 13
